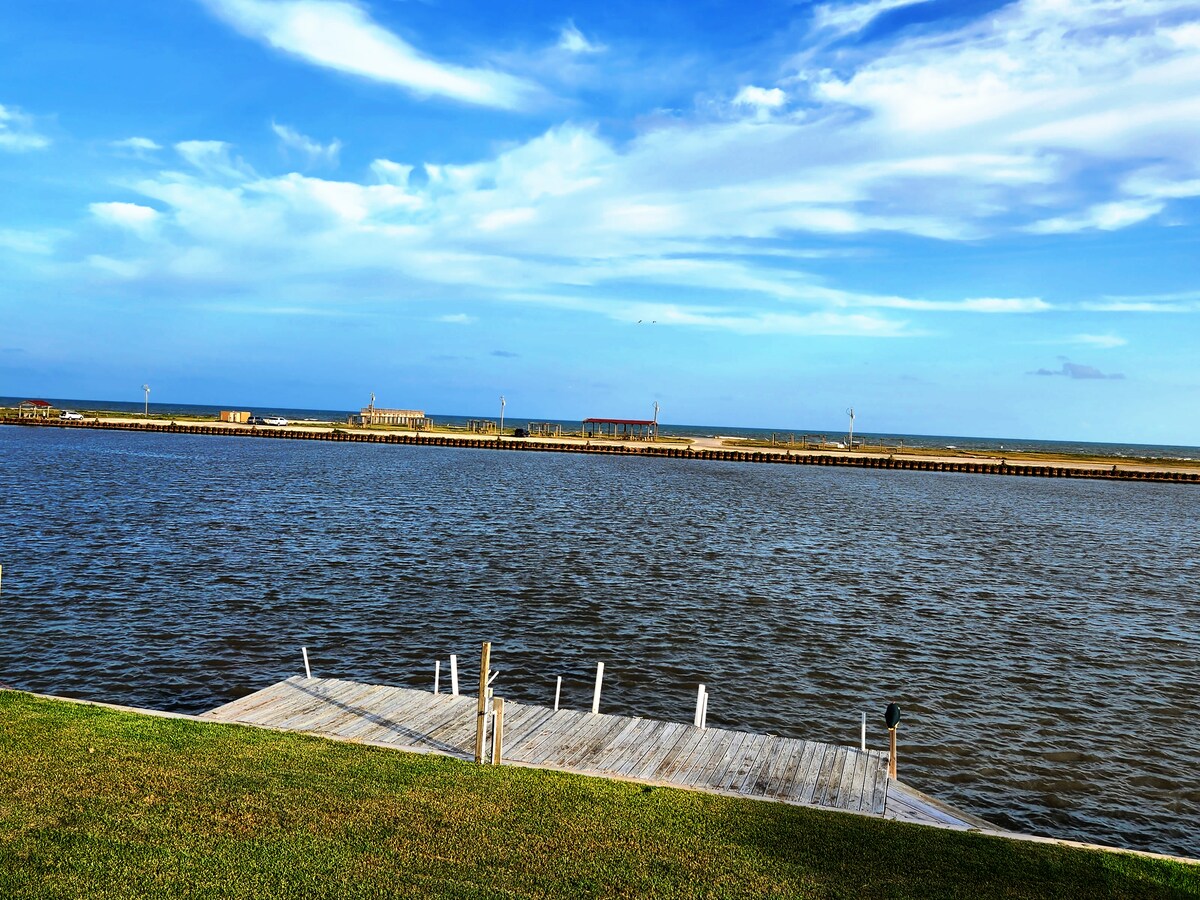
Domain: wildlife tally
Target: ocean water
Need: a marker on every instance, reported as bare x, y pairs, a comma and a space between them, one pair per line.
782, 433
1042, 636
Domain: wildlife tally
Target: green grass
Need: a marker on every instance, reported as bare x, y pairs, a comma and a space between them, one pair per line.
96, 803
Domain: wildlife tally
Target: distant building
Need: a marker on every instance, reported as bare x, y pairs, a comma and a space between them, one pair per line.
238, 418
628, 429
400, 418
481, 426
34, 409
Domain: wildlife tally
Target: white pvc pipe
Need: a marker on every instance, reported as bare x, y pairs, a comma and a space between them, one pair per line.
307, 670
864, 732
557, 691
704, 711
437, 677
453, 674
699, 705
596, 693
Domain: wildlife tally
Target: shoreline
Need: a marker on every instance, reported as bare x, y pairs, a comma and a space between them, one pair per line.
709, 449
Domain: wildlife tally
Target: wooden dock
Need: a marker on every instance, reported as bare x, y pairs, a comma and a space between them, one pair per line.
646, 750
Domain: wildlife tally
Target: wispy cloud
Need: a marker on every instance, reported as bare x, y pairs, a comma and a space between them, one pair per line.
340, 35
137, 146
457, 319
1101, 341
17, 132
314, 152
571, 39
1078, 371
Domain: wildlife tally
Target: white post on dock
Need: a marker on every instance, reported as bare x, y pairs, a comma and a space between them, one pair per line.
497, 730
557, 692
307, 670
699, 705
596, 692
437, 677
453, 674
704, 711
864, 732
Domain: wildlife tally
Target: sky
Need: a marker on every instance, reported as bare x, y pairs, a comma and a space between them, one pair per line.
962, 218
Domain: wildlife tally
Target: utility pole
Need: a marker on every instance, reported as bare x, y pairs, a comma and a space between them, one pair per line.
501, 415
850, 412
146, 388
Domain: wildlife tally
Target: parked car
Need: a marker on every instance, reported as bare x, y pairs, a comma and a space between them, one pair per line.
70, 415
520, 432
274, 420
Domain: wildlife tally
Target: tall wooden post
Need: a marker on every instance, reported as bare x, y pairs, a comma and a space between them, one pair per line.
481, 717
892, 753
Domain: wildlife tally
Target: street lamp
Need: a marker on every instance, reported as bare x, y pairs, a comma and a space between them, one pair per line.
501, 415
146, 388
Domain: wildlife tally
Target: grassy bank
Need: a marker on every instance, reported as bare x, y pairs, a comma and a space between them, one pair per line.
98, 803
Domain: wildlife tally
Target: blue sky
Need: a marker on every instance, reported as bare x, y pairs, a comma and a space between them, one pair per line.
958, 217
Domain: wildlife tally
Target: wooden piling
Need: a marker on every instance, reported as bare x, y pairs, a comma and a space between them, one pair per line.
485, 658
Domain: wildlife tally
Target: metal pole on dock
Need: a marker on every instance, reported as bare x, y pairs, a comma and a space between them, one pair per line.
482, 709
437, 676
596, 692
307, 670
453, 674
699, 706
557, 692
704, 711
864, 731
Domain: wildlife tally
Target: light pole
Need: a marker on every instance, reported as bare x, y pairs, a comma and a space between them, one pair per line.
501, 415
850, 412
146, 388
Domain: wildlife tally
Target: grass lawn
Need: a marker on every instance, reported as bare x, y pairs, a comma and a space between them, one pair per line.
97, 803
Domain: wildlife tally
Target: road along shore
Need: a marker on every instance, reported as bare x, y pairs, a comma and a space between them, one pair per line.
710, 449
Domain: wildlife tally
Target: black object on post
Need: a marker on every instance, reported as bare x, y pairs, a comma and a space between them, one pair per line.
891, 716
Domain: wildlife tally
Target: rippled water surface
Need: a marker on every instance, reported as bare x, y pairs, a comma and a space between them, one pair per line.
1042, 636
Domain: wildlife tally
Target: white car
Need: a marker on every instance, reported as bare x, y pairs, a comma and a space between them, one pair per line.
274, 420
71, 416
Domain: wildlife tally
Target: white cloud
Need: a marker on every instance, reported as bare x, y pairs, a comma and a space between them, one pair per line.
457, 319
760, 98
213, 158
1102, 217
921, 139
17, 132
136, 145
31, 243
851, 17
1101, 341
340, 35
313, 151
137, 218
572, 40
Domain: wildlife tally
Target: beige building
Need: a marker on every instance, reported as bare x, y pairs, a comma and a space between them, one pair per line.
235, 416
401, 418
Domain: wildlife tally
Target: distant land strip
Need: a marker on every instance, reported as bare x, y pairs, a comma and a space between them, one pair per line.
855, 459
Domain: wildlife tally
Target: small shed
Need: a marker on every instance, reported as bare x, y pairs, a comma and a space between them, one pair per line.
237, 417
34, 409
